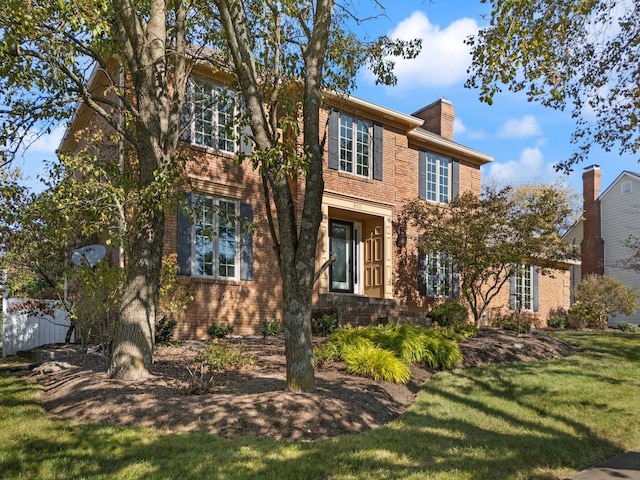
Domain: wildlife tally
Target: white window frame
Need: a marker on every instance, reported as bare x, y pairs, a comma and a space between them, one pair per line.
523, 288
207, 208
438, 178
355, 153
439, 275
218, 137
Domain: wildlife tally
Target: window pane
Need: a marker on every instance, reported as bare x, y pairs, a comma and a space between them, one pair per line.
524, 288
362, 148
214, 116
202, 111
226, 240
444, 179
226, 108
346, 144
431, 177
215, 243
204, 237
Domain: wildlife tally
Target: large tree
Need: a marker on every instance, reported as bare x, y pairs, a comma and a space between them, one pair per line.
286, 54
567, 53
489, 237
138, 52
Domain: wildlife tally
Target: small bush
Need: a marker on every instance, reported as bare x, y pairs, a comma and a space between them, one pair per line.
270, 328
449, 313
324, 325
558, 318
514, 321
457, 333
582, 315
223, 356
627, 327
376, 363
164, 331
199, 383
219, 330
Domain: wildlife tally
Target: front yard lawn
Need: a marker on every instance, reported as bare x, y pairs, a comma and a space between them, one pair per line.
540, 420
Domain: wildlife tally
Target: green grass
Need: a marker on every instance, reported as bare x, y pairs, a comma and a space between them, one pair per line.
541, 421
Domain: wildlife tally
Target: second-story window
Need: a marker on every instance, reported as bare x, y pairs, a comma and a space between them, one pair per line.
213, 112
436, 177
355, 146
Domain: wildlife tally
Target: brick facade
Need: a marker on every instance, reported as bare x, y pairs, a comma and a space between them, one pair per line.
385, 272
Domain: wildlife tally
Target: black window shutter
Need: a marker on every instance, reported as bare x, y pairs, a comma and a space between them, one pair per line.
377, 151
455, 178
422, 175
184, 236
455, 282
246, 244
185, 114
536, 289
245, 140
513, 301
334, 139
422, 274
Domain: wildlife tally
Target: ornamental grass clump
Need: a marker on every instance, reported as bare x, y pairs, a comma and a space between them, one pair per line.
405, 343
376, 363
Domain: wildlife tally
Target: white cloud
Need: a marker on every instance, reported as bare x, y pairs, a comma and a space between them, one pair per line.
524, 127
458, 127
526, 169
444, 58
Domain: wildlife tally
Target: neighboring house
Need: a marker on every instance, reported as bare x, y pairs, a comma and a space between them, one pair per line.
376, 159
609, 219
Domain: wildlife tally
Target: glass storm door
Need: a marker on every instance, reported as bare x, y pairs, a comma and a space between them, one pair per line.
341, 243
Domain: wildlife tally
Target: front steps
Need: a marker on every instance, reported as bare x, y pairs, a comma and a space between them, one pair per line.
358, 310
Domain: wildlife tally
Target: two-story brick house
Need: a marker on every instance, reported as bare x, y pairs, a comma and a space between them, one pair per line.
375, 160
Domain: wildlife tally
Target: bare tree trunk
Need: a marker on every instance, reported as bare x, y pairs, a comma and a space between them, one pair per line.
132, 347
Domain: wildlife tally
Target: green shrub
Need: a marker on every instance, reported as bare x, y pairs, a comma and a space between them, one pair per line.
558, 318
324, 325
449, 313
457, 333
164, 331
627, 327
219, 356
219, 330
376, 363
599, 297
519, 322
270, 328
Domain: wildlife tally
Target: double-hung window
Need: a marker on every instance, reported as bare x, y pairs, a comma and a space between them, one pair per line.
523, 288
438, 178
216, 238
355, 146
439, 275
213, 110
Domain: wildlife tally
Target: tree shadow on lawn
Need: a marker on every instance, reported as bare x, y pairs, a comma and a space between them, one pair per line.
427, 440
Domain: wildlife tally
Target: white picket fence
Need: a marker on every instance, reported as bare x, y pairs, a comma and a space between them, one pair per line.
21, 331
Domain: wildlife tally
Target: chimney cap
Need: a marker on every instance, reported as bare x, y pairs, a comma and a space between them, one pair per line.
592, 167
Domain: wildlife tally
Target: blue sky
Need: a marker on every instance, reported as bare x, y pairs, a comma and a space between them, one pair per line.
525, 139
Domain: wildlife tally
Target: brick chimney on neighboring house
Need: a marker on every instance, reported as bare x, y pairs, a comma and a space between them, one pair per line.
592, 245
438, 118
